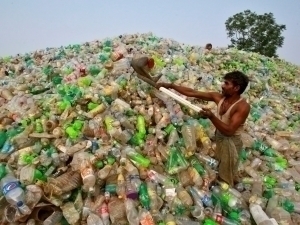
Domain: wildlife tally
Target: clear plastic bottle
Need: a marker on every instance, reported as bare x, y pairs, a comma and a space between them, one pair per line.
155, 201
88, 176
196, 177
121, 187
257, 188
173, 138
145, 217
184, 196
54, 218
188, 133
70, 213
87, 207
66, 182
213, 163
104, 214
13, 193
281, 216
131, 212
94, 219
170, 220
258, 214
117, 211
133, 174
205, 140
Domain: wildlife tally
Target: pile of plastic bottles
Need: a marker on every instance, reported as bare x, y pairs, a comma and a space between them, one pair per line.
84, 141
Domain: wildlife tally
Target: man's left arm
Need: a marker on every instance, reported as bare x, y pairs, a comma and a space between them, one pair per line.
237, 119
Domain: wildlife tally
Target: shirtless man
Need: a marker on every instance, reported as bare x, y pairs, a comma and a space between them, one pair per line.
232, 113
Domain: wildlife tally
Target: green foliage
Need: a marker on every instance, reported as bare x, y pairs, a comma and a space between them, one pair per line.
249, 31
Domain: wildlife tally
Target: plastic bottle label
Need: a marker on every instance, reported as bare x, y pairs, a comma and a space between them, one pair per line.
86, 172
7, 147
10, 186
147, 220
205, 199
151, 175
104, 210
219, 219
212, 162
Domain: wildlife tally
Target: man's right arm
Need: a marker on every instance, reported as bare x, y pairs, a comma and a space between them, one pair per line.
206, 96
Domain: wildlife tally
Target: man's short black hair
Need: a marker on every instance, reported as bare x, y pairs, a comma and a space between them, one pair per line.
238, 79
209, 45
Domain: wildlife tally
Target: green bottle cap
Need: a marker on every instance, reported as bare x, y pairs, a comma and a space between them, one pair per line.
99, 164
39, 176
77, 125
268, 193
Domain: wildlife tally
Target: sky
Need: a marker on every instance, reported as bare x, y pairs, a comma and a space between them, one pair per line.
36, 24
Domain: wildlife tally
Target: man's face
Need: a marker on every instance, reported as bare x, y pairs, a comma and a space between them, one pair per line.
228, 88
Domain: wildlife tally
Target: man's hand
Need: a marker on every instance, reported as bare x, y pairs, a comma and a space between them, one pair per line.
206, 113
165, 85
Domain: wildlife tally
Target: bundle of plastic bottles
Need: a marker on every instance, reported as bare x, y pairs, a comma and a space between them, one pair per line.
84, 141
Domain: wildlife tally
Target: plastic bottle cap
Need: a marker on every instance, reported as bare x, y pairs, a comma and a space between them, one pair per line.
20, 204
150, 63
38, 175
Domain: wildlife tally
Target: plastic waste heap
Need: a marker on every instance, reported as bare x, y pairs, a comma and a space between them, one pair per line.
84, 141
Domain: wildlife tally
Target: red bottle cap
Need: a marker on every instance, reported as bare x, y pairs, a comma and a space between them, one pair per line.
150, 63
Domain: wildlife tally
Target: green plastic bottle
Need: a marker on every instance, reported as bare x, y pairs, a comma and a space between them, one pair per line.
3, 137
3, 171
144, 196
141, 125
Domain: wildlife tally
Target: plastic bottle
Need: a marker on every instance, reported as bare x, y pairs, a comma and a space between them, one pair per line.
54, 218
145, 217
131, 190
176, 161
155, 201
170, 220
104, 214
204, 196
137, 158
173, 138
133, 174
188, 133
258, 214
205, 140
207, 160
88, 176
14, 194
226, 187
87, 207
66, 182
198, 180
144, 196
131, 212
117, 211
251, 172
184, 196
93, 219
121, 187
